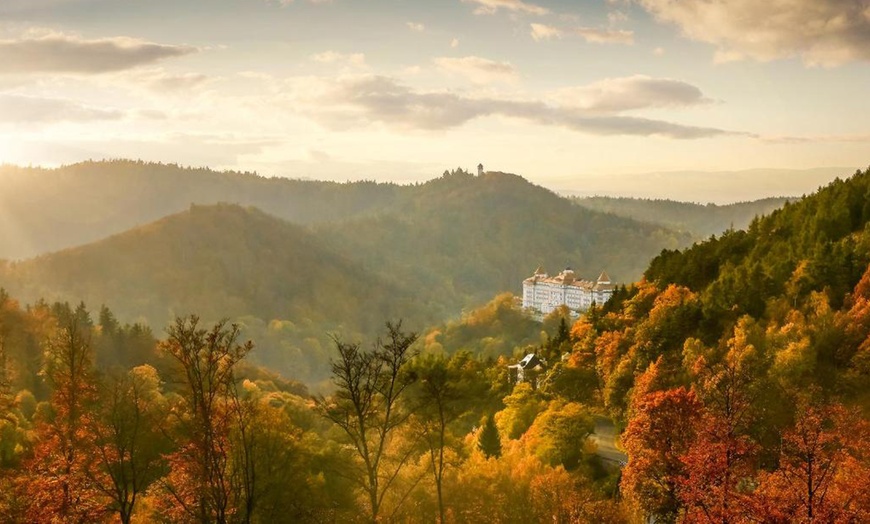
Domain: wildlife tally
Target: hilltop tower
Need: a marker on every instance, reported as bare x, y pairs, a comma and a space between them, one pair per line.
479, 169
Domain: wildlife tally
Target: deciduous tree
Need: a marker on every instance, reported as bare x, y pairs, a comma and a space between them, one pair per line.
367, 407
823, 468
130, 437
201, 483
660, 432
62, 476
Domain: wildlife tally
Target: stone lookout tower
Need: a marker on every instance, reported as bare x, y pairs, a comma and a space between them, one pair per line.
479, 169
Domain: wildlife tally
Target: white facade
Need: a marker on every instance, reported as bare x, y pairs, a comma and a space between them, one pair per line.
543, 293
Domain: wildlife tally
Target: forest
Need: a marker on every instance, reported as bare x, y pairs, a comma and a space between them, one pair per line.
47, 210
288, 284
736, 372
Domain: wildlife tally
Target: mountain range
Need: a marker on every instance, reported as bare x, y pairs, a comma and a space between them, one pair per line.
295, 261
701, 221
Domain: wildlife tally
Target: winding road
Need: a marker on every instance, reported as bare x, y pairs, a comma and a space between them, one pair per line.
605, 437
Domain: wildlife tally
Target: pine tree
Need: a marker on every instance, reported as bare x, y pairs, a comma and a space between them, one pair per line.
489, 442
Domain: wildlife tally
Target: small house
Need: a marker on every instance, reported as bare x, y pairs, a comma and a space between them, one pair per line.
526, 370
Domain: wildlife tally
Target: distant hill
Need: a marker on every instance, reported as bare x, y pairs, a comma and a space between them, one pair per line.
456, 241
44, 210
223, 261
461, 239
701, 221
720, 187
425, 254
507, 224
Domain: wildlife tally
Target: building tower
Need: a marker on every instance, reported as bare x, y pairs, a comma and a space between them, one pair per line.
479, 169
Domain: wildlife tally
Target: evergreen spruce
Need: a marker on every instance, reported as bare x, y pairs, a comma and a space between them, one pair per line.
489, 442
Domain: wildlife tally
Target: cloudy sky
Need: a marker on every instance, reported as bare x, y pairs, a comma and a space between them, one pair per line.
570, 94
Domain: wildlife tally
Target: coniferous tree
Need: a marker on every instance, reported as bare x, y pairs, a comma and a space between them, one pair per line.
489, 442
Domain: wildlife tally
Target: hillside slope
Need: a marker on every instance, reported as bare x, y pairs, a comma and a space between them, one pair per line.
793, 289
461, 239
701, 221
821, 242
44, 210
222, 261
751, 352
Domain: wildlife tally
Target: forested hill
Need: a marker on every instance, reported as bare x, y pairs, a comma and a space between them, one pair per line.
821, 242
699, 220
224, 261
740, 368
790, 287
460, 239
45, 210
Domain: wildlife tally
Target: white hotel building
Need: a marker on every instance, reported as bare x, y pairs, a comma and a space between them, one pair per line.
543, 293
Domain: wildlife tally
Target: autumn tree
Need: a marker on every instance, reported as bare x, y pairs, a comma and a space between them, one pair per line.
201, 484
289, 486
719, 471
660, 432
130, 437
521, 408
824, 465
558, 435
437, 401
720, 464
5, 389
562, 498
368, 409
63, 475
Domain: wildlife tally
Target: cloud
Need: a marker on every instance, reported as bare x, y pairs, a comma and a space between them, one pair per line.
285, 3
31, 109
454, 43
168, 82
616, 17
605, 36
848, 138
590, 34
488, 7
820, 32
416, 26
316, 155
362, 100
162, 81
18, 6
357, 60
151, 114
189, 148
71, 54
478, 70
616, 95
545, 32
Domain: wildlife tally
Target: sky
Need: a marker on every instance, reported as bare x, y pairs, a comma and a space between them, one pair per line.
593, 96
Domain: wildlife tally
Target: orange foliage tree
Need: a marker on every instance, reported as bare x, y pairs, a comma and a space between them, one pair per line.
660, 432
823, 469
60, 484
720, 464
204, 483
